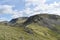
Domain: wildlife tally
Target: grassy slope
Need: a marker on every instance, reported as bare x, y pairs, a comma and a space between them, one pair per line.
18, 33
15, 33
44, 32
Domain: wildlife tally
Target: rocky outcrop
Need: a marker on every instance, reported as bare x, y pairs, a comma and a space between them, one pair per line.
46, 20
17, 21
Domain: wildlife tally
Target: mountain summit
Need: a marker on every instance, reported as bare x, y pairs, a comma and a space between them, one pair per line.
47, 20
36, 27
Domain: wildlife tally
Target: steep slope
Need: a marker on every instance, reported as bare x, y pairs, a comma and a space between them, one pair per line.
37, 27
44, 33
17, 21
19, 33
14, 33
46, 20
44, 24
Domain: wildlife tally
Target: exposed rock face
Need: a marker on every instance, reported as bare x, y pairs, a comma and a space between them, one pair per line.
47, 20
13, 20
17, 21
37, 27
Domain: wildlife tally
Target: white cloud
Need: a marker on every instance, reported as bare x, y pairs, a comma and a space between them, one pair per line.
2, 19
17, 14
27, 11
36, 1
8, 9
42, 7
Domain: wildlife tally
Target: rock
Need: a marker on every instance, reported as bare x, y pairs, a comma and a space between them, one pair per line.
28, 30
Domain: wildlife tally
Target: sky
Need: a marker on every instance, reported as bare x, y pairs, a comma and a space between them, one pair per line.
10, 9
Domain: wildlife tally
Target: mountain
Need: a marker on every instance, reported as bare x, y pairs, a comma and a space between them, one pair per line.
36, 27
47, 20
17, 21
4, 22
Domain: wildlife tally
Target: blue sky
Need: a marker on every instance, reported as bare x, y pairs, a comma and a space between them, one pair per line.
17, 8
19, 5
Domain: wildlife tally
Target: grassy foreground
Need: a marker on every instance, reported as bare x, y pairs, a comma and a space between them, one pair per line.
15, 33
18, 33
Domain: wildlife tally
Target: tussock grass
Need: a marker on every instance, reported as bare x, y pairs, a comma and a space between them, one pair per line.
18, 33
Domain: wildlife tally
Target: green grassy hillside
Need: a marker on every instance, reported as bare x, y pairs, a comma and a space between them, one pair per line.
14, 33
19, 33
37, 27
44, 32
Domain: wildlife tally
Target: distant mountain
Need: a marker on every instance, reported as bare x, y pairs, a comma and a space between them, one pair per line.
17, 21
36, 27
46, 20
4, 22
